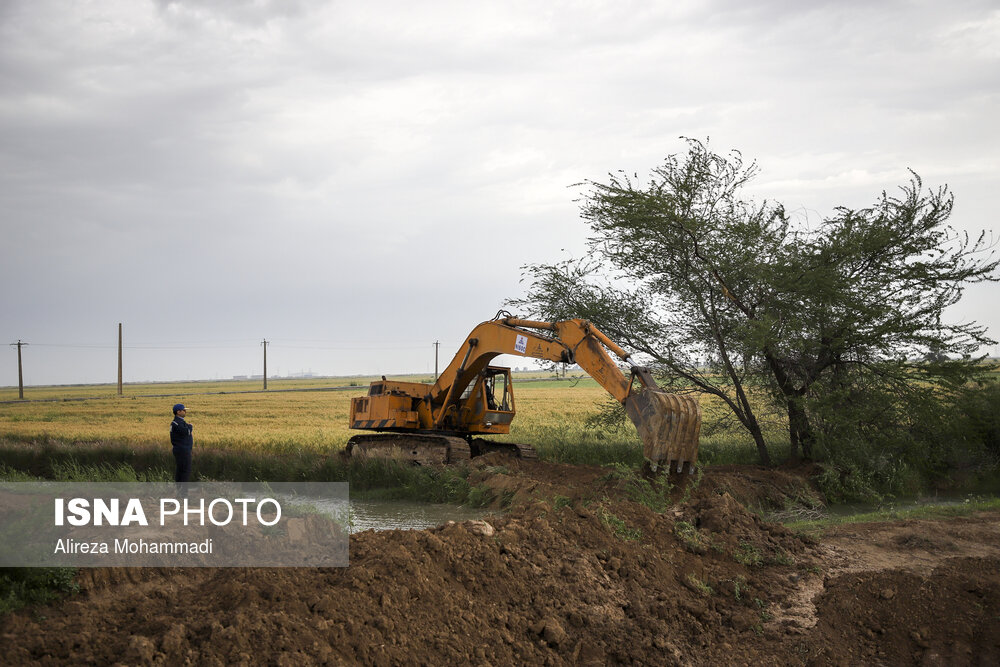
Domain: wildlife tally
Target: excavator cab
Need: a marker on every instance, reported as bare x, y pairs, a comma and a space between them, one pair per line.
498, 390
488, 403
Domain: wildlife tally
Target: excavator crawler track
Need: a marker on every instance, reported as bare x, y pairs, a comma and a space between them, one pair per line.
420, 449
481, 446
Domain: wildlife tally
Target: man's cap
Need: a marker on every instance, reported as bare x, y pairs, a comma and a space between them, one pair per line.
179, 407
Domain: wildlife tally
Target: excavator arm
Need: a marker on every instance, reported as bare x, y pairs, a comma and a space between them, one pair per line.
668, 424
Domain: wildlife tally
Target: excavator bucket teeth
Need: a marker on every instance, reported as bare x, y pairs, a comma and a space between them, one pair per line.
668, 424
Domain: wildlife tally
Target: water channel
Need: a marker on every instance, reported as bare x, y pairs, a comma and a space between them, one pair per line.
377, 515
406, 515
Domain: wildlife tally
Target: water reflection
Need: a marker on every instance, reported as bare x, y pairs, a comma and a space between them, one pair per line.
385, 514
403, 515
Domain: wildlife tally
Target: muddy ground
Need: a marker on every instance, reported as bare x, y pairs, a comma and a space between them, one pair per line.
575, 572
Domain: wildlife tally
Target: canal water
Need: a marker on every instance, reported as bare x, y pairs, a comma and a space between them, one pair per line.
363, 515
405, 515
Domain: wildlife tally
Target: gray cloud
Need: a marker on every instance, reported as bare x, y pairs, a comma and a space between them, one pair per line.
376, 175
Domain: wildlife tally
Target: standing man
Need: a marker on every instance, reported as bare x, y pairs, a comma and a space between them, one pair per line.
182, 439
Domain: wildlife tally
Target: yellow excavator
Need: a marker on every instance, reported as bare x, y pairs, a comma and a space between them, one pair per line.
436, 424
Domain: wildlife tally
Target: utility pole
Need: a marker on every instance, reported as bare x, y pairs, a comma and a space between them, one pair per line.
437, 344
264, 343
119, 358
20, 374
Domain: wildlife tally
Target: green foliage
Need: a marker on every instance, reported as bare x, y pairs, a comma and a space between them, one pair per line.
879, 445
811, 528
392, 480
978, 410
692, 538
374, 478
618, 526
654, 495
584, 447
739, 587
9, 474
610, 416
479, 496
71, 470
779, 557
699, 586
813, 326
748, 554
23, 586
692, 485
559, 502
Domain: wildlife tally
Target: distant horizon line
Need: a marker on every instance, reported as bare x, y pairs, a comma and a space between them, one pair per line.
245, 379
251, 378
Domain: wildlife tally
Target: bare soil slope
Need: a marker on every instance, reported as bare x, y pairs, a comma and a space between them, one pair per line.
576, 572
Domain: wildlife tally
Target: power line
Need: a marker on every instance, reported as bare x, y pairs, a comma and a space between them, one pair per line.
347, 348
197, 346
75, 346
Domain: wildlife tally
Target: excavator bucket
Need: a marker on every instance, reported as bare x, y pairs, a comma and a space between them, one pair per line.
668, 424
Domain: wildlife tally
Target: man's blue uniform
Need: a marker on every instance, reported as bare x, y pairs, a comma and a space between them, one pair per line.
182, 439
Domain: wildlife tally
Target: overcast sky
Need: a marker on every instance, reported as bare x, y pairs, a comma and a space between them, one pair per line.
353, 181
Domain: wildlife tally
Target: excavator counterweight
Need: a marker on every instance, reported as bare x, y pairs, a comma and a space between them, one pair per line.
438, 423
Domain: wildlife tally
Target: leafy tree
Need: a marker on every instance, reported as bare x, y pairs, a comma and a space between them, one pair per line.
729, 297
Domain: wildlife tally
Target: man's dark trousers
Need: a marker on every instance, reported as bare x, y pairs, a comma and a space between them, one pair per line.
183, 457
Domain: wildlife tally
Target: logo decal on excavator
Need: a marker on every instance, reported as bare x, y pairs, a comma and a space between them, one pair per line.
521, 344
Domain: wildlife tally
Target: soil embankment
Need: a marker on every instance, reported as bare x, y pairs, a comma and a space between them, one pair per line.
577, 572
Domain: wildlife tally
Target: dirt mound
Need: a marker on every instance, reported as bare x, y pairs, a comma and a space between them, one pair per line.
949, 616
577, 572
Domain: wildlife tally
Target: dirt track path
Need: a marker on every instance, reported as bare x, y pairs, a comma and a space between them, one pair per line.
916, 546
902, 592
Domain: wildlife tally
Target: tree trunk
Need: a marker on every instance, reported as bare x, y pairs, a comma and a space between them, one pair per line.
762, 454
799, 430
793, 438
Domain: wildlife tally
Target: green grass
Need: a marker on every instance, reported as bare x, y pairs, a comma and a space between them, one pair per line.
692, 538
931, 511
202, 387
372, 478
618, 525
577, 445
739, 449
296, 435
699, 586
654, 496
748, 554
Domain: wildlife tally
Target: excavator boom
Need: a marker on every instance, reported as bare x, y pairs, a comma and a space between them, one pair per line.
465, 399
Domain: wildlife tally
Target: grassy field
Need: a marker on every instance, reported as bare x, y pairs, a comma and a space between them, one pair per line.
81, 391
310, 416
274, 436
929, 510
293, 432
292, 416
